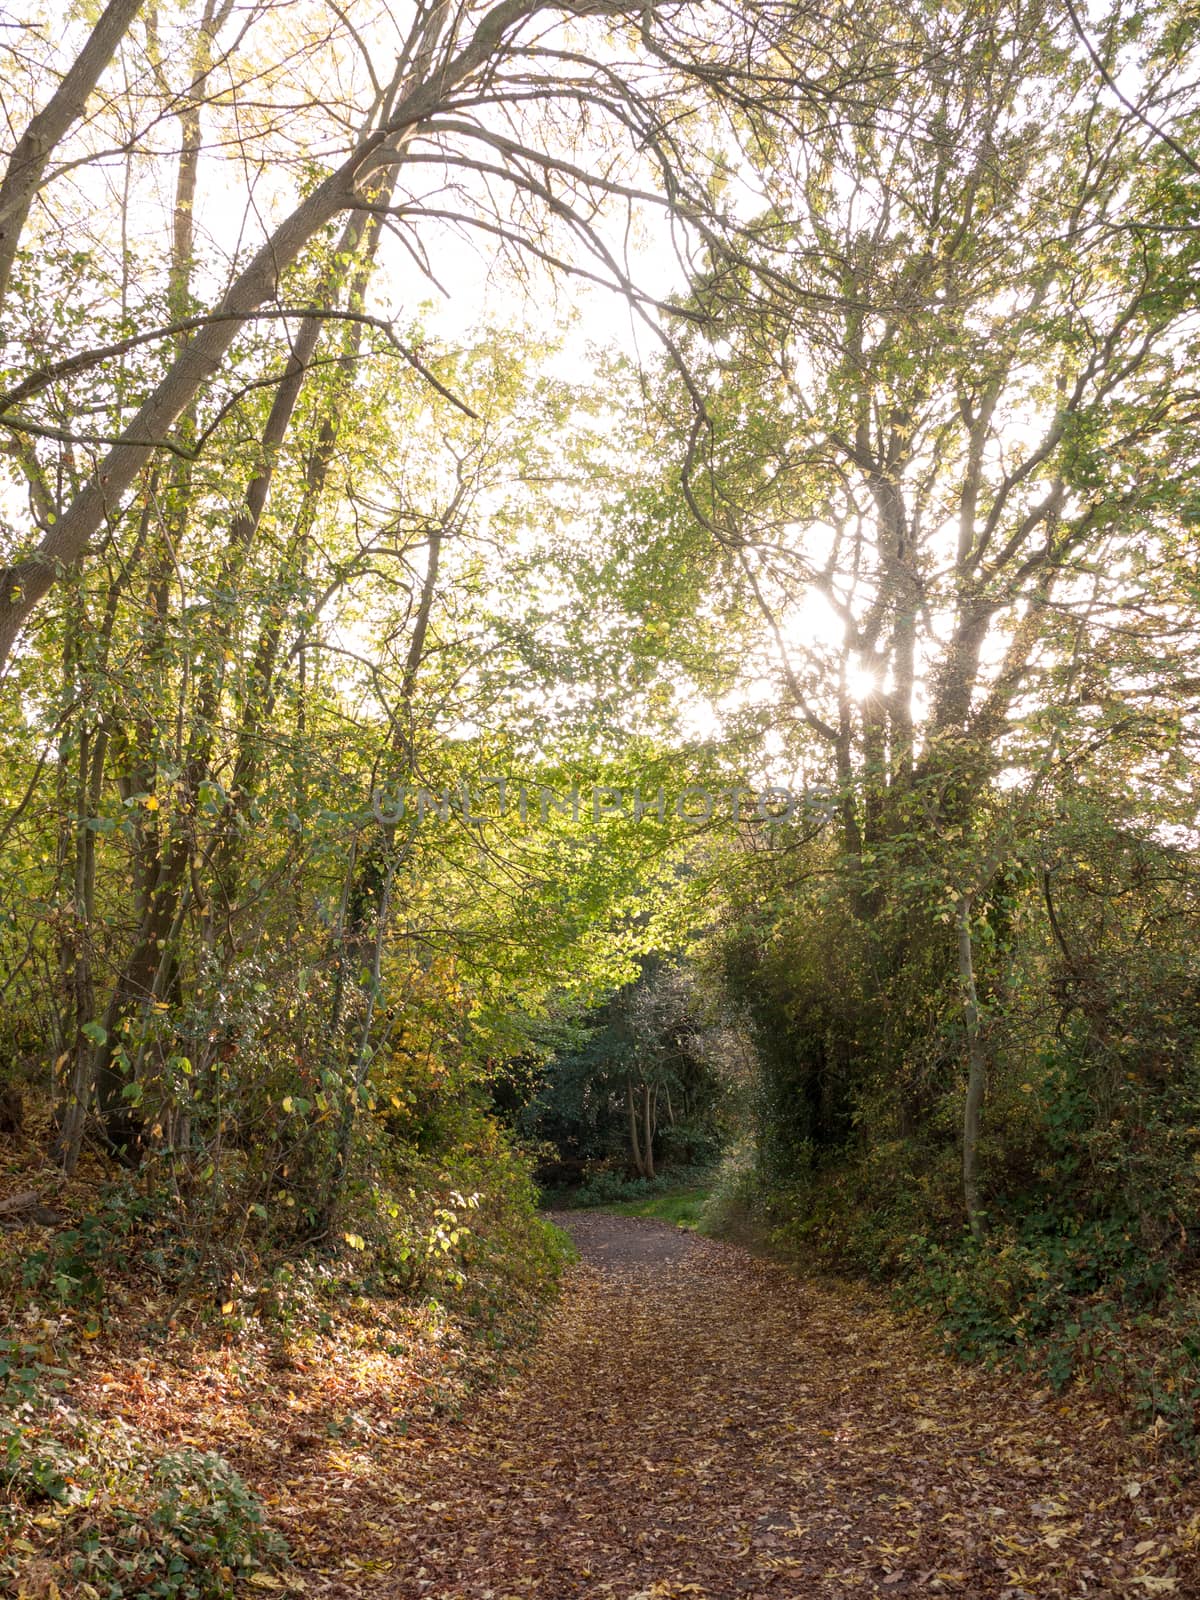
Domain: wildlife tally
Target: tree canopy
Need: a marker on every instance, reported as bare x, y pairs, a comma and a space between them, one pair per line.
588, 588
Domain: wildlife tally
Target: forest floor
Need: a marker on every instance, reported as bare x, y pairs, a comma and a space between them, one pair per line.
695, 1421
692, 1421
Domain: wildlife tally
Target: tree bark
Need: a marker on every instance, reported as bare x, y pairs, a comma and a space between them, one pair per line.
976, 1071
362, 1064
634, 1143
648, 1130
160, 863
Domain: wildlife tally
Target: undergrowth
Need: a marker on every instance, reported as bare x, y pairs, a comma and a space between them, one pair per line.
1075, 1299
114, 1520
607, 1186
88, 1507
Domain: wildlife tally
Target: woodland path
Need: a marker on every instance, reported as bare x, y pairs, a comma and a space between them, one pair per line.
698, 1422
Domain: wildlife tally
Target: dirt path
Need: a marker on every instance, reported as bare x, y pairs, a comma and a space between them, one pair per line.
696, 1422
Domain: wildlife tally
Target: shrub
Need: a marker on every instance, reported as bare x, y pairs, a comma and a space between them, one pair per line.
606, 1186
179, 1527
459, 1223
1071, 1299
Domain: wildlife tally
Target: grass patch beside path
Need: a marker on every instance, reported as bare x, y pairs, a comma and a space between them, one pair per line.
683, 1206
678, 1195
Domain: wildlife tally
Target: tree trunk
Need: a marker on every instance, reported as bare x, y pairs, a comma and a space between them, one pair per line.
976, 1071
362, 235
67, 543
634, 1144
362, 1065
27, 164
648, 1119
161, 861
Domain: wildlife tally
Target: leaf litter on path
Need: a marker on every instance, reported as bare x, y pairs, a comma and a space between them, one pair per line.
695, 1421
692, 1421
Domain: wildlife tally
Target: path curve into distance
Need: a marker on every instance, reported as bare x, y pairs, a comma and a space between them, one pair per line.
698, 1422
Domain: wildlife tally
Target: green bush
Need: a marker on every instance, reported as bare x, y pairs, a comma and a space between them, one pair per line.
201, 1527
734, 1199
609, 1187
179, 1527
130, 1227
1070, 1300
460, 1224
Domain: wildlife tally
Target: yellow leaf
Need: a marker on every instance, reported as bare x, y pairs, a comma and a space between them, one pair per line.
227, 1309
